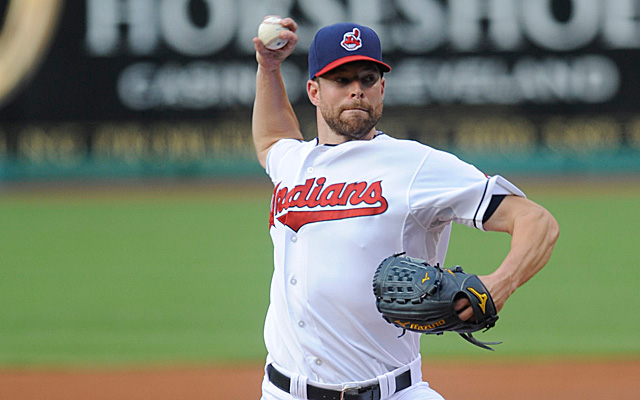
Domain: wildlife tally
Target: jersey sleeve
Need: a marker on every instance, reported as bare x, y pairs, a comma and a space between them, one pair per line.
447, 189
276, 156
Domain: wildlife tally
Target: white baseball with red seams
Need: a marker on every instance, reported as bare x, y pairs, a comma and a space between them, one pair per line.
269, 33
337, 211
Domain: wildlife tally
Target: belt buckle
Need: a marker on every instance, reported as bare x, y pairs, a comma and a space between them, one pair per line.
349, 389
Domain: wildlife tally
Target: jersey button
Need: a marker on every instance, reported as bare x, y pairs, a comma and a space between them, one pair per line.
293, 281
310, 170
301, 324
294, 239
318, 362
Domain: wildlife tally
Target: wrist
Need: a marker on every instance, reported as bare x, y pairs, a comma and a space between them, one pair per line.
500, 286
268, 69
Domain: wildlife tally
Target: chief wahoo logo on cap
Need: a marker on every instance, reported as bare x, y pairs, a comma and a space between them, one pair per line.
351, 40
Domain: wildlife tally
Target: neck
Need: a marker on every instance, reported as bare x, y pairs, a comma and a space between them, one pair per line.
334, 138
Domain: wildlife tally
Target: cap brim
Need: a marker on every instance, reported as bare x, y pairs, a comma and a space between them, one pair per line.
345, 60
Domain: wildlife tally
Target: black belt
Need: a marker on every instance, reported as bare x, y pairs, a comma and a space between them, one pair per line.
371, 392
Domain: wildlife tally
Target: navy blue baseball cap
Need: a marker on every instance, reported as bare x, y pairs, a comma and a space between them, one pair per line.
342, 43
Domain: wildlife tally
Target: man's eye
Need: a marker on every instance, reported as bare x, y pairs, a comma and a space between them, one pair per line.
342, 80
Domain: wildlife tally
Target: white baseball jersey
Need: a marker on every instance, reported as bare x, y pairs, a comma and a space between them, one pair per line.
337, 211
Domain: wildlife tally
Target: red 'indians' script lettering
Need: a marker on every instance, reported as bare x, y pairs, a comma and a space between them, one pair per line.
360, 199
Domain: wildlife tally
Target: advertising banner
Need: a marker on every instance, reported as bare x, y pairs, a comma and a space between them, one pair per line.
112, 88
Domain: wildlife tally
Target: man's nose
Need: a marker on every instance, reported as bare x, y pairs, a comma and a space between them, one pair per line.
356, 89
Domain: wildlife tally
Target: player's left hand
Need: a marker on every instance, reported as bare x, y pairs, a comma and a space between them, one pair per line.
463, 306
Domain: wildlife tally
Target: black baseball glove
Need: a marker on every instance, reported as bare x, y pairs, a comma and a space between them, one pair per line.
416, 296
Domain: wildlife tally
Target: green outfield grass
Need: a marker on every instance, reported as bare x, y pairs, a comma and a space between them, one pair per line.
121, 277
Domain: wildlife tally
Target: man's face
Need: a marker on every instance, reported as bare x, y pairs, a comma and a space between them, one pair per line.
350, 99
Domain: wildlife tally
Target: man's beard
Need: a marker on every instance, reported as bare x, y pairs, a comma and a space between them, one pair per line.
353, 127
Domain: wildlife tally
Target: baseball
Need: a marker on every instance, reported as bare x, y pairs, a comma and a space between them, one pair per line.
268, 32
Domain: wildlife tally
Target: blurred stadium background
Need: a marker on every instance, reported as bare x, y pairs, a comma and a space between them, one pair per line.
127, 172
154, 88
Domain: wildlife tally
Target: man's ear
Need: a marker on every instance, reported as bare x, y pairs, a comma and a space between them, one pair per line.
313, 91
382, 83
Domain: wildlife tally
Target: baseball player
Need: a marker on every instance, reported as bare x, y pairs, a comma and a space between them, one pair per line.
346, 200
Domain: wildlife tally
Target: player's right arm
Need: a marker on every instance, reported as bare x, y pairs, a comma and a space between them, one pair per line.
273, 116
